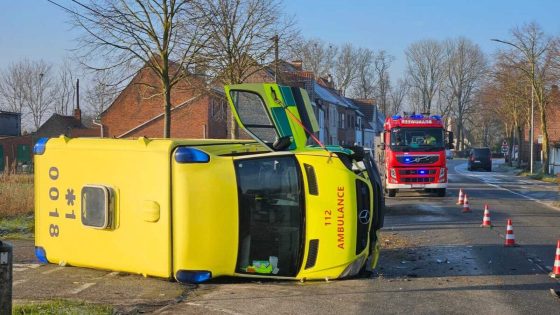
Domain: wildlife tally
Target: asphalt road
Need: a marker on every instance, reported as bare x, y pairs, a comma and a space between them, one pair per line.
435, 260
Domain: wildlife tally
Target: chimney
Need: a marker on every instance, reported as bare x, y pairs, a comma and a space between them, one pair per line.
77, 111
78, 114
298, 64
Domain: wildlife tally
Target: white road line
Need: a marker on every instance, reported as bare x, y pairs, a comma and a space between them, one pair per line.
52, 270
215, 309
112, 274
511, 191
81, 288
23, 267
19, 282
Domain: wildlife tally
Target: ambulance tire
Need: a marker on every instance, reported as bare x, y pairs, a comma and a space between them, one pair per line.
441, 192
391, 192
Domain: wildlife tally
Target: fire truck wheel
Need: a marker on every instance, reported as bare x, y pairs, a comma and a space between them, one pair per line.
441, 192
392, 192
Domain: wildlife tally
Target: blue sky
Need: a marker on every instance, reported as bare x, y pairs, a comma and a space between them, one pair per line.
36, 29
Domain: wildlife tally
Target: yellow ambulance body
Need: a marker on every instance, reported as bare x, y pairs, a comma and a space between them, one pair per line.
200, 209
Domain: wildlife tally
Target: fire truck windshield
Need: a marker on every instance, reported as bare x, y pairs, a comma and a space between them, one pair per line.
417, 139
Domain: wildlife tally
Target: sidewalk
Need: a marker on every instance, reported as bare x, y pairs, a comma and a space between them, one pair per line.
542, 191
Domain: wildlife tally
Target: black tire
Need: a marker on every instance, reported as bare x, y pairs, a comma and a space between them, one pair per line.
441, 192
391, 192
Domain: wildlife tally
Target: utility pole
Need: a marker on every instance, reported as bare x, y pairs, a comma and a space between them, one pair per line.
532, 125
275, 39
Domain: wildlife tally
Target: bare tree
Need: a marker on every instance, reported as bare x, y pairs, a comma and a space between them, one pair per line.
27, 87
397, 94
509, 93
242, 38
425, 71
65, 94
382, 64
345, 67
101, 93
317, 56
164, 36
535, 54
364, 84
465, 67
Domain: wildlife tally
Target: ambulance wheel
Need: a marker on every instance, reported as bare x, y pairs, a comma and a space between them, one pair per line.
441, 192
391, 192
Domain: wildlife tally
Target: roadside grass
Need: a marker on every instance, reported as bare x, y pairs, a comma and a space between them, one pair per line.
16, 206
61, 307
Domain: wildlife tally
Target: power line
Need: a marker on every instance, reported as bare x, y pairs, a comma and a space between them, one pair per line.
69, 10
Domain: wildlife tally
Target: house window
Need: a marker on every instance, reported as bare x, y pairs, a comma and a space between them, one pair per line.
342, 122
218, 109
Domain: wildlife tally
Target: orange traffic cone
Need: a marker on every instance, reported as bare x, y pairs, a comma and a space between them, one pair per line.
556, 269
510, 238
486, 218
466, 205
461, 196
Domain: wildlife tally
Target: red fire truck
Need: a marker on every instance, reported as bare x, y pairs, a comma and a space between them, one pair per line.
413, 156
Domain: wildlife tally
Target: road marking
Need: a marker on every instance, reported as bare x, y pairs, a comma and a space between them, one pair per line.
23, 267
52, 270
19, 282
511, 191
210, 308
82, 288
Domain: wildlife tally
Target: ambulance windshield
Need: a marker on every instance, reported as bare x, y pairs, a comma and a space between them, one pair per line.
271, 216
417, 139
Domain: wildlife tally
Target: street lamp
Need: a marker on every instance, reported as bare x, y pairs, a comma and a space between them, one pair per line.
532, 103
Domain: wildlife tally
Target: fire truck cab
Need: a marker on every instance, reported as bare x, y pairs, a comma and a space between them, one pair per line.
413, 156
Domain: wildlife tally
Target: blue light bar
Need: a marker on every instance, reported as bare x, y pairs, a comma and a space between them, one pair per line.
191, 155
417, 116
395, 117
41, 255
193, 276
40, 146
436, 117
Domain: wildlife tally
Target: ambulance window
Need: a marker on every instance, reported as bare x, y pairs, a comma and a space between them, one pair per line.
271, 216
254, 116
95, 201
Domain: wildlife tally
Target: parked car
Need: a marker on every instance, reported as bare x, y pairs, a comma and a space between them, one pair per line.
480, 158
448, 154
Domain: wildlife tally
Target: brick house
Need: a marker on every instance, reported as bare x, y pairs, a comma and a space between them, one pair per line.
70, 126
371, 122
196, 112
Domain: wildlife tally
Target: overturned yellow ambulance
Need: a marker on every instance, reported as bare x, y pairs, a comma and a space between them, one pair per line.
199, 209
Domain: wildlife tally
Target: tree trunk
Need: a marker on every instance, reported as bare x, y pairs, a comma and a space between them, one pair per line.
519, 145
511, 135
234, 133
166, 107
544, 141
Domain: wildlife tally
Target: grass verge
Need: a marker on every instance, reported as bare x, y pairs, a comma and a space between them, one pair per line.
61, 307
16, 195
19, 227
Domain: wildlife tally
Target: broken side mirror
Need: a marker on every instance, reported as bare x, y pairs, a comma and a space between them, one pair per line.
282, 143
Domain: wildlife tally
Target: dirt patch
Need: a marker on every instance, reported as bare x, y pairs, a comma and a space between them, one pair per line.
393, 240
